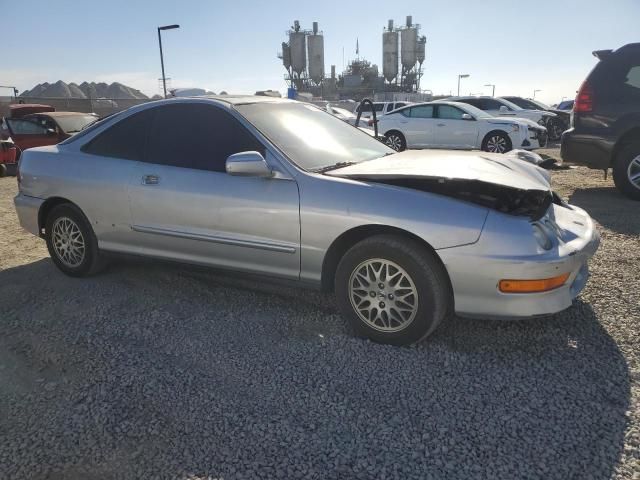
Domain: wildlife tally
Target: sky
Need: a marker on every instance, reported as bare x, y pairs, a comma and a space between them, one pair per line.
519, 46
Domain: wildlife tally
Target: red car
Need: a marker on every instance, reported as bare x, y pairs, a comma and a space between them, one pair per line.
38, 125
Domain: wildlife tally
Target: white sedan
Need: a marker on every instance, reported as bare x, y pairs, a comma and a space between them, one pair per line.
454, 125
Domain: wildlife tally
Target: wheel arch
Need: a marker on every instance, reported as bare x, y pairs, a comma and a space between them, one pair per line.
349, 238
632, 135
48, 205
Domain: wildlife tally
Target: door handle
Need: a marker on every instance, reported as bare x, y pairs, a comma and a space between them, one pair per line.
442, 124
404, 121
150, 180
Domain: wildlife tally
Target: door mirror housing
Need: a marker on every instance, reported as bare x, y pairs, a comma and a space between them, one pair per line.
51, 131
248, 164
466, 116
503, 109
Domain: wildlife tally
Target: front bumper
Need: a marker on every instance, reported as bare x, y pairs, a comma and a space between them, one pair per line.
536, 138
475, 271
27, 209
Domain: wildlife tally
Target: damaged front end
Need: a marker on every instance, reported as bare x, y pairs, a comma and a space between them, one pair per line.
502, 198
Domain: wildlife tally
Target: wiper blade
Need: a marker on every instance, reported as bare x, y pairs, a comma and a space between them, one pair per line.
333, 167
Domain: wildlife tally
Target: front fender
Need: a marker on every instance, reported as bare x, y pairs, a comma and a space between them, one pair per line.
331, 206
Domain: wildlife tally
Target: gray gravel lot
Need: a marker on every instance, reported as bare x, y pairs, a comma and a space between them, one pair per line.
161, 371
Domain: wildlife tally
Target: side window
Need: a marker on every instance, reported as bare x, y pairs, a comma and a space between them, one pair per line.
475, 102
126, 139
449, 113
378, 106
633, 77
490, 104
25, 127
199, 136
405, 112
400, 104
422, 111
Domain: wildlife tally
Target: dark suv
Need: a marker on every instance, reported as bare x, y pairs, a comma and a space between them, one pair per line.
605, 120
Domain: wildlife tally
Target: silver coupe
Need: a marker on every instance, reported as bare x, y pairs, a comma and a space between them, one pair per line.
284, 189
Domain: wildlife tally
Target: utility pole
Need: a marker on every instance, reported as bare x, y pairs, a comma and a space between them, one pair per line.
164, 79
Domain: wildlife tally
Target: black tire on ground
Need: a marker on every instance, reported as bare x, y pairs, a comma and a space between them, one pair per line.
72, 219
626, 170
3, 170
496, 142
424, 270
396, 140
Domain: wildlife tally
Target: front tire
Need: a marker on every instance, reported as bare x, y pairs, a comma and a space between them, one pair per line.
392, 290
396, 140
71, 242
496, 142
626, 170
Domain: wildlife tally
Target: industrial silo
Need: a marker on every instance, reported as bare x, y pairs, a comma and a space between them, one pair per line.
298, 49
408, 45
315, 48
421, 49
286, 55
390, 53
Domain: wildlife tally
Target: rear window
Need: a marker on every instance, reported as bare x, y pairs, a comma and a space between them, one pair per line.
617, 78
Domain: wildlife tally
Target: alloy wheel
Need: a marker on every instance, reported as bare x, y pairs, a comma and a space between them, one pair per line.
394, 141
68, 242
383, 295
496, 144
633, 172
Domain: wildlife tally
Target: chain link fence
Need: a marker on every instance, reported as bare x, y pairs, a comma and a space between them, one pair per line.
99, 106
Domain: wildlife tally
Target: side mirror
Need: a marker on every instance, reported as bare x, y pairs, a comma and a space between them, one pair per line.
248, 164
466, 116
51, 131
503, 109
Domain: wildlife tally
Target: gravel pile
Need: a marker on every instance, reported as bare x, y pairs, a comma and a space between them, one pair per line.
159, 371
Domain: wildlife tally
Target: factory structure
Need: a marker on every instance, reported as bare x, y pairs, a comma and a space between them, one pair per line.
403, 54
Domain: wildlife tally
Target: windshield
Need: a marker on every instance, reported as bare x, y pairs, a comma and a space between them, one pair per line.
74, 123
475, 111
310, 137
509, 104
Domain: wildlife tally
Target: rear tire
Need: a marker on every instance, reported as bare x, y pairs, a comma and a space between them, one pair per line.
626, 170
392, 290
72, 245
396, 140
496, 142
3, 170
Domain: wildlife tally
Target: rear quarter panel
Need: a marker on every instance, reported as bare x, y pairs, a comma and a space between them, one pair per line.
97, 185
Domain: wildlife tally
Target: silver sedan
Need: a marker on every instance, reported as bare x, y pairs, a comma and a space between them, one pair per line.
284, 189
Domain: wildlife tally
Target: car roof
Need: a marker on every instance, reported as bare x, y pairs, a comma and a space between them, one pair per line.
59, 114
240, 99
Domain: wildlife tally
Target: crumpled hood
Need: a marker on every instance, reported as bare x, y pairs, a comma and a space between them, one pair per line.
510, 120
492, 168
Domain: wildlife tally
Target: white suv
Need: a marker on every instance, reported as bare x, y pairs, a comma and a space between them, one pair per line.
453, 125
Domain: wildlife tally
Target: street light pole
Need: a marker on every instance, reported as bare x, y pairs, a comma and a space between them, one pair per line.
493, 91
534, 93
462, 75
164, 79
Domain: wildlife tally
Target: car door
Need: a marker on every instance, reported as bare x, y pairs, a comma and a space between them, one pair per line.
452, 131
185, 206
27, 133
418, 125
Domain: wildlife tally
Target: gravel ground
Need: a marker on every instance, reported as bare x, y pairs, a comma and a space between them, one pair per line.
158, 371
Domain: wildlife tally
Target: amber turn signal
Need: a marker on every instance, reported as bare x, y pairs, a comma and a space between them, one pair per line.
532, 286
